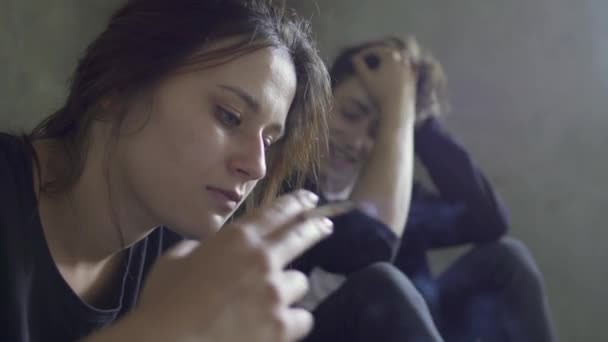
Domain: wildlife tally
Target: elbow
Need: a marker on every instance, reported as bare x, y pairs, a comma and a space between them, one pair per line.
488, 229
496, 222
502, 223
496, 229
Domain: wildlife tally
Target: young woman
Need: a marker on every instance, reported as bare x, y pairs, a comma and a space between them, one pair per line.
175, 113
494, 292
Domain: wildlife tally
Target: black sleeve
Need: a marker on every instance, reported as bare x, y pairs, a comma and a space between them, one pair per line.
16, 255
478, 214
358, 240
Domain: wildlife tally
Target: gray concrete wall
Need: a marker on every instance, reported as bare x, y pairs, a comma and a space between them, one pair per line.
528, 84
40, 42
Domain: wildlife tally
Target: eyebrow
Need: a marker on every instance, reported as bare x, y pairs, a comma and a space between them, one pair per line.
253, 105
249, 99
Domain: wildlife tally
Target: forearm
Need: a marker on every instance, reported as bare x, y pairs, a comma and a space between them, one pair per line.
449, 165
460, 182
385, 182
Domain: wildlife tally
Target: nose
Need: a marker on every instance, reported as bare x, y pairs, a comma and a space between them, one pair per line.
360, 142
249, 160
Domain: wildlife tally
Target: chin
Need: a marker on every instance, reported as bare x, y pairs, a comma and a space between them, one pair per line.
201, 229
340, 180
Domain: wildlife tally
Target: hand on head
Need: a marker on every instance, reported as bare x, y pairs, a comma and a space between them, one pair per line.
423, 82
388, 74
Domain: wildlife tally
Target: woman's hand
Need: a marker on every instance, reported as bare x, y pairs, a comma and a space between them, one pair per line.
233, 287
389, 77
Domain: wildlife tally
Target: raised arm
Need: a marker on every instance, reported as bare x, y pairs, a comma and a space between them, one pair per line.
385, 181
467, 209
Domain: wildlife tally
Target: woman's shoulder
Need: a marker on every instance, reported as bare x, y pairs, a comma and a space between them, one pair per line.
12, 145
16, 185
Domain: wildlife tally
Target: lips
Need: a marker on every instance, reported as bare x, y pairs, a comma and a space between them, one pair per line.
230, 195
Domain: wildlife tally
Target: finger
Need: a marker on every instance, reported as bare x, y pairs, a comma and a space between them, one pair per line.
290, 242
293, 286
280, 212
378, 52
364, 70
370, 60
412, 48
380, 49
299, 323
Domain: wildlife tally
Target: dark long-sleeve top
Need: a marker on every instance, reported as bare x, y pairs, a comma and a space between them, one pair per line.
465, 210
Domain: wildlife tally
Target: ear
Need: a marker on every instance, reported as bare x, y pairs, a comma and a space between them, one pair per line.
107, 107
110, 103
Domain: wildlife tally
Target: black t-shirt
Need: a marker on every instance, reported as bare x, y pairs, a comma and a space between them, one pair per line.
36, 304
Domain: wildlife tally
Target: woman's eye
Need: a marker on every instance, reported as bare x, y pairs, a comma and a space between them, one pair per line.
350, 115
228, 118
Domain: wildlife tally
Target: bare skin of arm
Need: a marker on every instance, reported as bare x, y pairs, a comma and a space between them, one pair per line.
385, 181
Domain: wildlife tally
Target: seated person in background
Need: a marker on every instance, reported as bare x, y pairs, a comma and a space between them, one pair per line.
493, 292
377, 301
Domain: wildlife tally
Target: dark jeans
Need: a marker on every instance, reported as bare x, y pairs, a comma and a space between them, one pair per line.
377, 303
492, 293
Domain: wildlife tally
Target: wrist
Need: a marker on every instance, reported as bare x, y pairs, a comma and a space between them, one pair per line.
132, 327
398, 112
397, 119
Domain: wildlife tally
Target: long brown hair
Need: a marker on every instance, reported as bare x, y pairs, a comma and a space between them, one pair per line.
146, 40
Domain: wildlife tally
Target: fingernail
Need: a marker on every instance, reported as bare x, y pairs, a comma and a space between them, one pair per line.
309, 198
327, 226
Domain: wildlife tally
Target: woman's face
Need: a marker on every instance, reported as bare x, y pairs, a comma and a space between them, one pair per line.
352, 127
202, 148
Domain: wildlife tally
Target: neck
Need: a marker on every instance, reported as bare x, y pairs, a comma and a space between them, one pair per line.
94, 220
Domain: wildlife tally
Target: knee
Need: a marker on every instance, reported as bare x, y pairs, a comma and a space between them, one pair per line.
387, 291
516, 257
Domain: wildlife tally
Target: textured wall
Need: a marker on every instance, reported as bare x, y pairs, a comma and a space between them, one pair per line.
528, 83
40, 42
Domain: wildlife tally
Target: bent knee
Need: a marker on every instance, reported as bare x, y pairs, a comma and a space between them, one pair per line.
384, 283
516, 256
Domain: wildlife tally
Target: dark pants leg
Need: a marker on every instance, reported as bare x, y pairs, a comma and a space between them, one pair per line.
494, 292
376, 304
